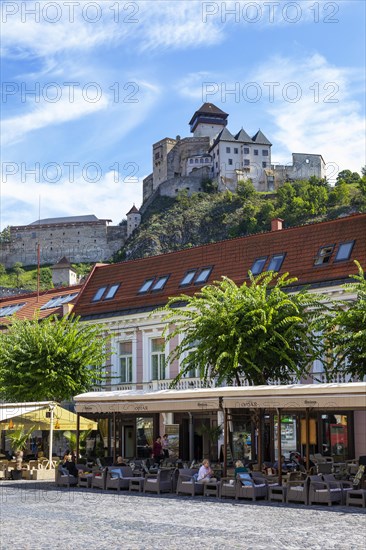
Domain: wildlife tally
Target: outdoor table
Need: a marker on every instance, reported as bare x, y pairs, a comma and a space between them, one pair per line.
356, 497
85, 480
277, 493
211, 489
136, 484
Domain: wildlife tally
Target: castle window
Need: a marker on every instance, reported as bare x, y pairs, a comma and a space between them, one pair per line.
324, 255
246, 162
230, 161
146, 285
228, 149
246, 150
203, 275
34, 235
344, 251
275, 262
188, 277
258, 265
264, 164
255, 152
191, 161
236, 150
157, 155
160, 283
265, 152
112, 291
207, 159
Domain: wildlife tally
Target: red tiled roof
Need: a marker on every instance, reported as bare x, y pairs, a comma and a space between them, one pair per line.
33, 303
232, 258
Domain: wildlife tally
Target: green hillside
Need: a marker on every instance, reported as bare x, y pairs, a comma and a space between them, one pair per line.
175, 224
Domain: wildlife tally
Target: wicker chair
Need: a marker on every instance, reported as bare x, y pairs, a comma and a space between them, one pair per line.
345, 485
297, 491
227, 487
158, 483
321, 492
187, 484
251, 488
99, 479
65, 480
121, 480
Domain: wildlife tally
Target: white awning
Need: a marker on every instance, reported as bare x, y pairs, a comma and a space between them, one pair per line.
12, 410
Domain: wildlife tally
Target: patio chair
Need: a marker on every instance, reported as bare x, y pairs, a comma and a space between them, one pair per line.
63, 479
345, 485
118, 477
297, 490
3, 469
250, 487
324, 467
187, 484
158, 483
227, 487
321, 492
99, 479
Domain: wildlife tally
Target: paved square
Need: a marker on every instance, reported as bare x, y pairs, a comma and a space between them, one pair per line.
37, 516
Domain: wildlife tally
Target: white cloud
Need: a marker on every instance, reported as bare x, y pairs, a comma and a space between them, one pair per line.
326, 120
110, 197
45, 113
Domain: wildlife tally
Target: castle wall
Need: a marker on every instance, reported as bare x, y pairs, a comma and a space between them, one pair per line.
79, 242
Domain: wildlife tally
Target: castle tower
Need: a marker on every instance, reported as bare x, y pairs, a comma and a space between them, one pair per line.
63, 273
133, 220
208, 121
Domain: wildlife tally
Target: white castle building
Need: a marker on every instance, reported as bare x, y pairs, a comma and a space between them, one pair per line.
214, 153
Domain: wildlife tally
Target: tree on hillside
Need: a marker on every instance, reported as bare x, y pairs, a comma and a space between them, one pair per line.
255, 331
18, 271
345, 331
348, 177
52, 359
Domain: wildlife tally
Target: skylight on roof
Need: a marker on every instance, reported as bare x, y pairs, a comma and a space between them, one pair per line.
203, 275
344, 251
147, 285
56, 301
324, 255
258, 265
160, 283
99, 293
188, 277
275, 262
9, 310
112, 291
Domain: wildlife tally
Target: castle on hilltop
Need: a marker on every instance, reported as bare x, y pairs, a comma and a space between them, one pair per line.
214, 153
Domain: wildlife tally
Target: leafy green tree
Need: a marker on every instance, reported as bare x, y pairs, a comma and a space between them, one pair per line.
345, 331
256, 330
52, 359
18, 271
71, 438
348, 177
2, 270
246, 189
339, 195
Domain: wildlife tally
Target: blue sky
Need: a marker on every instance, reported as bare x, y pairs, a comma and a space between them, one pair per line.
111, 78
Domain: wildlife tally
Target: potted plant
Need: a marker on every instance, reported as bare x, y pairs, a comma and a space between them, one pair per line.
18, 439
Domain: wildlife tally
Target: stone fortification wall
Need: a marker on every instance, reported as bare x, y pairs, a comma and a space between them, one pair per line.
183, 149
79, 242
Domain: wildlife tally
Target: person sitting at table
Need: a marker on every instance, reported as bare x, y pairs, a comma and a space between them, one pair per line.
284, 468
239, 468
68, 464
205, 472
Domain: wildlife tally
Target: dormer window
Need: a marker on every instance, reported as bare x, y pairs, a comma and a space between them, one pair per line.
324, 255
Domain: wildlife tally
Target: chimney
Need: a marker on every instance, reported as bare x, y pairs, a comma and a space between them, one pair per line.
276, 224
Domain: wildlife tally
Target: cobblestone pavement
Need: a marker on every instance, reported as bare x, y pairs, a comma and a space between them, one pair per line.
37, 516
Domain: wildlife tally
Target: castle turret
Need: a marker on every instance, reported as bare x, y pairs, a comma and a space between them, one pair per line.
208, 121
133, 220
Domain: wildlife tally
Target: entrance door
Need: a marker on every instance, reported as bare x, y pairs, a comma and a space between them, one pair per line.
128, 442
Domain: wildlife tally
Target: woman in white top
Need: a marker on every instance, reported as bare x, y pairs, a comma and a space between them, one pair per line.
205, 472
